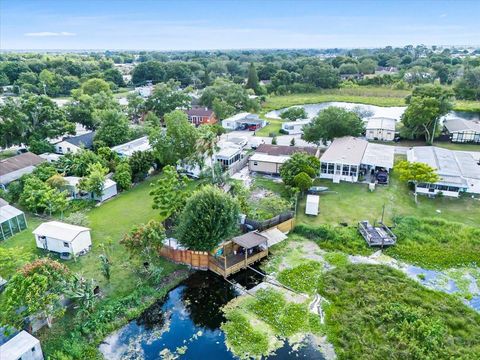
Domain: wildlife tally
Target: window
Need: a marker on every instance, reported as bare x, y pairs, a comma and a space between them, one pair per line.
33, 349
330, 168
346, 170
65, 244
68, 149
323, 168
255, 163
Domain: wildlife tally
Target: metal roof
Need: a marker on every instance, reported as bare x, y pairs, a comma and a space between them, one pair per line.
276, 159
285, 150
345, 150
379, 155
59, 230
127, 149
452, 166
454, 125
18, 345
19, 162
381, 123
250, 240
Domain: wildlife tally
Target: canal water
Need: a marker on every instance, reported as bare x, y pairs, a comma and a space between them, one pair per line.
394, 112
186, 324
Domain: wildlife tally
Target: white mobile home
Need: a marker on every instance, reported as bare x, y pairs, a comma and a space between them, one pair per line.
461, 130
294, 127
63, 238
75, 143
380, 128
72, 187
243, 121
311, 206
458, 171
20, 346
347, 157
127, 149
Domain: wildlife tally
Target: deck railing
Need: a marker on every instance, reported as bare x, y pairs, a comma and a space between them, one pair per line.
234, 263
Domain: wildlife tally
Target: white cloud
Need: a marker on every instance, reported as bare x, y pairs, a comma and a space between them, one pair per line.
443, 15
49, 33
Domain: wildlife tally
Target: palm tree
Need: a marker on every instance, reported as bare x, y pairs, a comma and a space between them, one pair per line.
207, 144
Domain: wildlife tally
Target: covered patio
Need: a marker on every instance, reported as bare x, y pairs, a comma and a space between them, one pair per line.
238, 253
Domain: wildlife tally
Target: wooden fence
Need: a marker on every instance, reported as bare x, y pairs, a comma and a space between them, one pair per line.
195, 259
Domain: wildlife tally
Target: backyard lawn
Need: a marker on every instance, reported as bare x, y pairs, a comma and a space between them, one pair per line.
350, 203
109, 222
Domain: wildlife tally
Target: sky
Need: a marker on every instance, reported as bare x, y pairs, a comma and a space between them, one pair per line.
229, 24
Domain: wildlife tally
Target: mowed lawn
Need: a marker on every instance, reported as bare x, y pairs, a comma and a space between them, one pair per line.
350, 203
109, 222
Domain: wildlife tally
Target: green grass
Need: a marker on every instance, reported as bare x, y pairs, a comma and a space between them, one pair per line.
109, 222
362, 95
436, 243
7, 153
376, 312
368, 95
350, 203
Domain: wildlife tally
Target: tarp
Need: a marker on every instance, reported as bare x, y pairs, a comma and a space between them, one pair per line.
250, 240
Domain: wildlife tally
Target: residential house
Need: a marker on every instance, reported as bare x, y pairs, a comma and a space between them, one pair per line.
126, 150
350, 159
269, 158
20, 345
380, 128
294, 127
244, 121
72, 187
12, 220
460, 130
199, 115
75, 143
13, 168
459, 171
63, 238
145, 91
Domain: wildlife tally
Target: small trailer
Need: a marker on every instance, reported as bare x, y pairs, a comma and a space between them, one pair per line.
312, 204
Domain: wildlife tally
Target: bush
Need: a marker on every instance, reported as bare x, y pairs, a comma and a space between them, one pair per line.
335, 238
77, 218
436, 243
303, 278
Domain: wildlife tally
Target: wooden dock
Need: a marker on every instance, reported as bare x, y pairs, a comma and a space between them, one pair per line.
376, 235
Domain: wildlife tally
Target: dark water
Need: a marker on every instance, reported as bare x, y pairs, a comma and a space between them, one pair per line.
190, 317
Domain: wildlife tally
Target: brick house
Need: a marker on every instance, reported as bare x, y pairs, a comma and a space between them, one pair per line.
201, 115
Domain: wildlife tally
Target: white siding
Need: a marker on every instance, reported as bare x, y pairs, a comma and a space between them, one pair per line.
81, 242
380, 134
64, 147
109, 192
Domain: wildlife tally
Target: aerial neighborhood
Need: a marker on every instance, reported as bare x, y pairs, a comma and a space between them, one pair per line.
278, 202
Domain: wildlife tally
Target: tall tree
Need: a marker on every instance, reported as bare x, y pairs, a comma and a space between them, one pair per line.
252, 80
140, 163
95, 86
123, 175
294, 113
114, 128
426, 105
209, 217
95, 180
178, 142
38, 196
169, 193
166, 97
331, 123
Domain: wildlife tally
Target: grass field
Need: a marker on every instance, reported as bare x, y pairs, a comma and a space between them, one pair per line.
350, 203
378, 96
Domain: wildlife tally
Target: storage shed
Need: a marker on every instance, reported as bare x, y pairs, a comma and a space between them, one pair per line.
63, 238
21, 345
311, 207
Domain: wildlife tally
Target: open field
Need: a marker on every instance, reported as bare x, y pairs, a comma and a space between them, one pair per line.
379, 96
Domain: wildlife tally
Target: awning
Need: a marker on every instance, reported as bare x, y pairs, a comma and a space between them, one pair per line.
250, 240
274, 236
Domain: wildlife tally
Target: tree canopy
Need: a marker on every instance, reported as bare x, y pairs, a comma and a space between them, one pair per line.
299, 163
331, 123
209, 217
294, 113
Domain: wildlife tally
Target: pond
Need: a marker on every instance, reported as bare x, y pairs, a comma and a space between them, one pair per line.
394, 112
186, 324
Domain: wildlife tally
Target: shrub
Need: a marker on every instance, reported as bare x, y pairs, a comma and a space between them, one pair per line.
303, 278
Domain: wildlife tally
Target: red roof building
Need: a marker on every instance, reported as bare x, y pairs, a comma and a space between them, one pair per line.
201, 115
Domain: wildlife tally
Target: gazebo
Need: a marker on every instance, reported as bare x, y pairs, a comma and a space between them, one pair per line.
238, 253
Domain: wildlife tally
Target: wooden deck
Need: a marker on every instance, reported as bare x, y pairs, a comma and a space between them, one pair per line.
376, 235
234, 263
